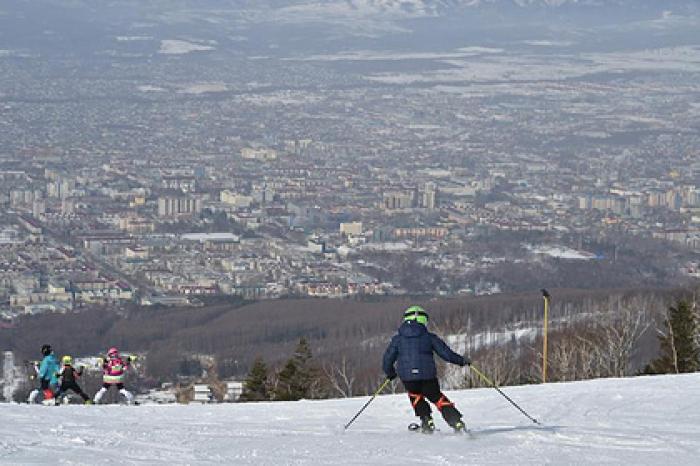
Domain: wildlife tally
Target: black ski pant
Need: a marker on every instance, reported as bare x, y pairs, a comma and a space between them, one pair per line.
47, 388
107, 386
65, 386
419, 390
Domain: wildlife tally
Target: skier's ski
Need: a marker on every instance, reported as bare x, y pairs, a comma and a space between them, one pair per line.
414, 427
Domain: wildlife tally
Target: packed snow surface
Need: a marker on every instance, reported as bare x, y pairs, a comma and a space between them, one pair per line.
646, 420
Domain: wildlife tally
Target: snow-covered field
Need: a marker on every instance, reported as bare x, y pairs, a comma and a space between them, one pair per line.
648, 420
512, 67
180, 47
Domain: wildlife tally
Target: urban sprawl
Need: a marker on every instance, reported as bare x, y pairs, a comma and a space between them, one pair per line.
357, 188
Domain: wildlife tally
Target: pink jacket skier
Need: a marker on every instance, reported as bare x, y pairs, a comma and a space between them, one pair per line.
114, 369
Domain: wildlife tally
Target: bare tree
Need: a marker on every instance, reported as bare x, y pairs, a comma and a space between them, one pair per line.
216, 385
341, 377
500, 364
184, 393
672, 341
563, 360
318, 388
619, 337
573, 355
590, 359
696, 310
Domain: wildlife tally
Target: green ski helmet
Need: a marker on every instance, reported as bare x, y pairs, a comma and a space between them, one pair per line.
416, 313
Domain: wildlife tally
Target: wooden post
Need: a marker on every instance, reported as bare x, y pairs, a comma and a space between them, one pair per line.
546, 297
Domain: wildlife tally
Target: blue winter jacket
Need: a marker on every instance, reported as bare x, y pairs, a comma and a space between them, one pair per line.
413, 348
48, 369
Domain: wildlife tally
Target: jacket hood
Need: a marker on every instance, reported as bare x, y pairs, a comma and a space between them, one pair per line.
412, 329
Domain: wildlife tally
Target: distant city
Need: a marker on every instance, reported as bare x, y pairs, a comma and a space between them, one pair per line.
171, 171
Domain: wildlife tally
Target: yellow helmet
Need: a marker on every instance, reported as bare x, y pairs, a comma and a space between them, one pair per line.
67, 360
416, 313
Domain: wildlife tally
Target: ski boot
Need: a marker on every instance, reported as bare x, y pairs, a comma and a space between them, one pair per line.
459, 427
33, 396
427, 426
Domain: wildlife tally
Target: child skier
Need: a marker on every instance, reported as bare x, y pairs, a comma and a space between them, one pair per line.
413, 348
48, 368
33, 376
114, 371
69, 380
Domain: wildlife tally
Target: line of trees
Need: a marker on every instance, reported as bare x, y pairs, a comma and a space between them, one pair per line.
609, 333
614, 342
633, 339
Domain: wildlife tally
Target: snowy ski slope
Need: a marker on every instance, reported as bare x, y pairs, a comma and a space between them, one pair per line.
647, 420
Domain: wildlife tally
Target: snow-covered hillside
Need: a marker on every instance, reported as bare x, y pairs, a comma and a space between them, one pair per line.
648, 420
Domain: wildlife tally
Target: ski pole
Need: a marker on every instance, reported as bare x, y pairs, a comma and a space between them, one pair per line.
386, 382
488, 381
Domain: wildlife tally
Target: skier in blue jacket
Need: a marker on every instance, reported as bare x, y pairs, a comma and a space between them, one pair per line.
48, 374
413, 349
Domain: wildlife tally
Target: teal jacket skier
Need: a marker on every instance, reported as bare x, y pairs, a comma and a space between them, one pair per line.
48, 374
48, 369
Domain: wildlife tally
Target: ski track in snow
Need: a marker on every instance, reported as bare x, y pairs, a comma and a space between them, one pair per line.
646, 420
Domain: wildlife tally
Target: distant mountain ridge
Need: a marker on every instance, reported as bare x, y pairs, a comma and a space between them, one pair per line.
388, 5
81, 21
436, 5
604, 10
445, 7
406, 8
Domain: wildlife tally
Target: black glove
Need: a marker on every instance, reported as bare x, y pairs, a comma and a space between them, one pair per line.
391, 376
467, 362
